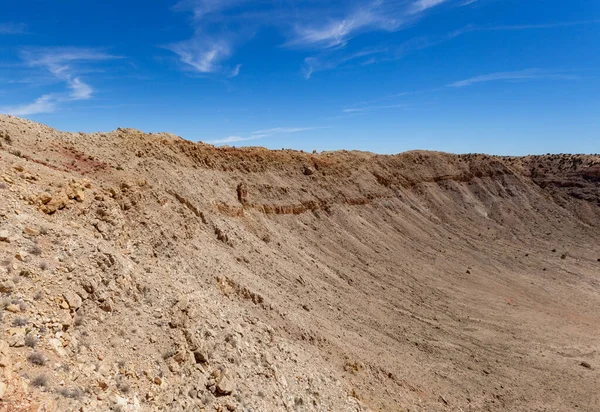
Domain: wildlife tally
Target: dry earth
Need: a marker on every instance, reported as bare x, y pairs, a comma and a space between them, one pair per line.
145, 272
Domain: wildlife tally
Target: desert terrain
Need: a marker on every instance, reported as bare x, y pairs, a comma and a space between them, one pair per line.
144, 272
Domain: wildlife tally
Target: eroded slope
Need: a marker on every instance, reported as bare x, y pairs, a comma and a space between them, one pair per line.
155, 273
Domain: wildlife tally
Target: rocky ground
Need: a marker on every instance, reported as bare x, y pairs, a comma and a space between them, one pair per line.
142, 272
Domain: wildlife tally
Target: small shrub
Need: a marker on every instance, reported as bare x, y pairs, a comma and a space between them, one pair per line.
40, 381
3, 185
19, 322
44, 265
31, 340
39, 295
36, 250
37, 358
123, 386
563, 256
22, 306
78, 319
72, 393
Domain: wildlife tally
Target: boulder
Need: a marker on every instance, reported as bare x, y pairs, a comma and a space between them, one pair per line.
72, 299
4, 236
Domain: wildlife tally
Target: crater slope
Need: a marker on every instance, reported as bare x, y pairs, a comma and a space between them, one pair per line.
143, 272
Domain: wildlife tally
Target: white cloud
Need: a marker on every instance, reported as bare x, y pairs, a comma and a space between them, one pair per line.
334, 33
543, 25
332, 60
260, 134
62, 63
202, 54
43, 104
527, 74
337, 58
421, 5
232, 139
373, 108
220, 26
235, 71
277, 130
79, 89
337, 31
204, 8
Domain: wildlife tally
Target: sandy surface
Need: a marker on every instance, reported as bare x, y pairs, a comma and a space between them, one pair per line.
158, 274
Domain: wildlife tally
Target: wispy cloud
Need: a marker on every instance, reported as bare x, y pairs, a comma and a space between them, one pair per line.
43, 104
260, 134
366, 109
542, 25
232, 139
221, 26
527, 74
13, 28
336, 32
421, 5
329, 61
202, 9
341, 58
277, 130
213, 40
202, 54
64, 65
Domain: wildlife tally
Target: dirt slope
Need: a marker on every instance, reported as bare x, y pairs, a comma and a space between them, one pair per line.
145, 272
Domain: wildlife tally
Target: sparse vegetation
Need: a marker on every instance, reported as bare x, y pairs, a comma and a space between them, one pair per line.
7, 137
71, 393
36, 250
78, 321
37, 358
31, 340
40, 381
19, 322
123, 386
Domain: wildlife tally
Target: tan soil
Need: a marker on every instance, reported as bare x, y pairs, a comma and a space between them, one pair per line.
160, 274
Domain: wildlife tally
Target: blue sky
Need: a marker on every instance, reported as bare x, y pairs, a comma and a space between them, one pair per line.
497, 76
